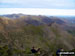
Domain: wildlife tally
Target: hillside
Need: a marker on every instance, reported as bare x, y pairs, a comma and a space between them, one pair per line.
19, 35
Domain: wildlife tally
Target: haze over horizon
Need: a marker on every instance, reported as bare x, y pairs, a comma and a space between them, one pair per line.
37, 7
37, 11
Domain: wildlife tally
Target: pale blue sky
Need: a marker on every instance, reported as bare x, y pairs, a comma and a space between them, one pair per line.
50, 4
38, 7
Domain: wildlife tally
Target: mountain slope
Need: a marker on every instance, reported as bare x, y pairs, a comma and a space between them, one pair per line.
21, 35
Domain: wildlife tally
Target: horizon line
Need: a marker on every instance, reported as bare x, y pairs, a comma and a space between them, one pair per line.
38, 11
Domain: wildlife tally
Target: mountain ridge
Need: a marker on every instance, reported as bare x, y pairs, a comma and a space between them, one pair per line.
40, 31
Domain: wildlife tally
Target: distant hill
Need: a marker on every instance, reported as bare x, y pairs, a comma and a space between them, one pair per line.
14, 16
34, 18
19, 35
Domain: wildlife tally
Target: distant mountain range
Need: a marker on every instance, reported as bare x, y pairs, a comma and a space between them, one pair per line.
70, 19
14, 16
44, 19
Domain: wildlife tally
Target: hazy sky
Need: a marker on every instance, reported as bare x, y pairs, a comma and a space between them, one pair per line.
51, 4
54, 7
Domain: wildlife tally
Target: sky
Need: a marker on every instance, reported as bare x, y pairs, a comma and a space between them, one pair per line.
42, 7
